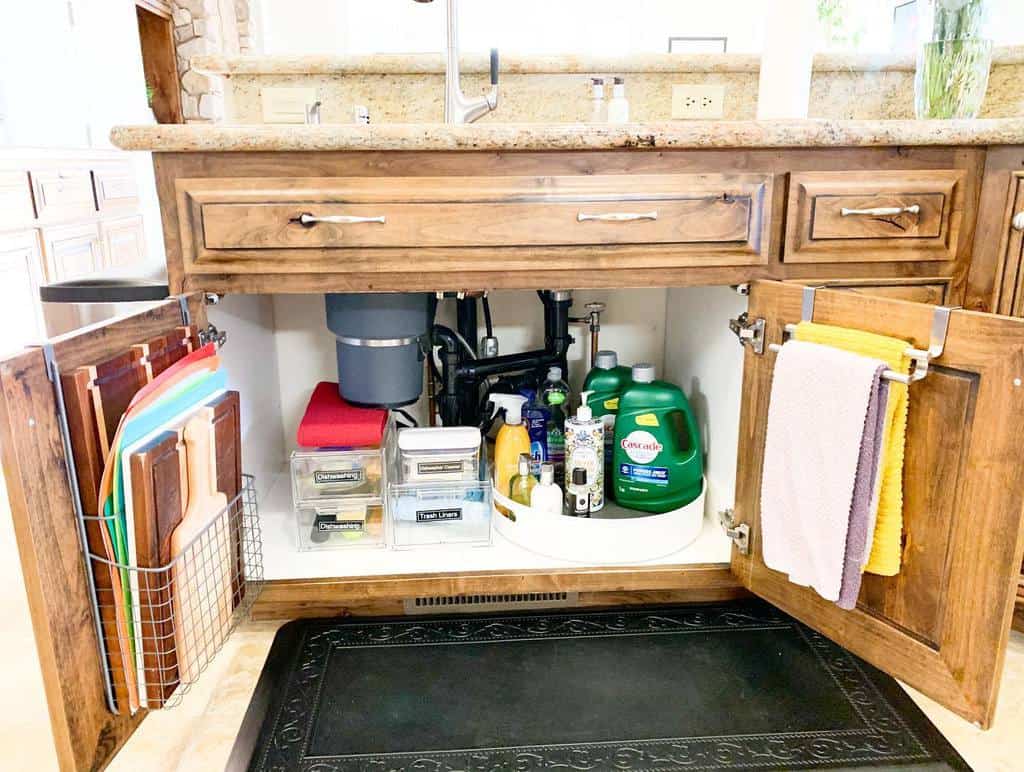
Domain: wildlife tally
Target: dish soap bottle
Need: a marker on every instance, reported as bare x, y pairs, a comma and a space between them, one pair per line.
584, 449
522, 484
618, 105
555, 398
659, 465
535, 416
606, 380
512, 441
546, 497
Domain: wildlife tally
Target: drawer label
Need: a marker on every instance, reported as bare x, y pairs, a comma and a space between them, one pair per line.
439, 467
438, 515
339, 525
333, 477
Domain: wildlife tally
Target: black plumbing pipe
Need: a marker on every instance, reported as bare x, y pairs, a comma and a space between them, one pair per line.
466, 321
450, 355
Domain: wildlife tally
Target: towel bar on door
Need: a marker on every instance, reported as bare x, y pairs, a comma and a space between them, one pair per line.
936, 344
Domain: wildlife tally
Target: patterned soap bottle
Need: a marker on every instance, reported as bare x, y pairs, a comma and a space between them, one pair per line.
584, 449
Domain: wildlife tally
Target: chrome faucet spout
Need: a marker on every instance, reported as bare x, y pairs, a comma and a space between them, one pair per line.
457, 107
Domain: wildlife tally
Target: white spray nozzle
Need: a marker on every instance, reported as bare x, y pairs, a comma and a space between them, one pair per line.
512, 404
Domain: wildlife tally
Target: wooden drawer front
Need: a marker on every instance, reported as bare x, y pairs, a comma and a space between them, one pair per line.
15, 200
714, 219
116, 187
72, 251
850, 217
1011, 296
124, 242
62, 194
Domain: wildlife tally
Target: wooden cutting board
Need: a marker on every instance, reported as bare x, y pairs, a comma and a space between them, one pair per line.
204, 555
159, 494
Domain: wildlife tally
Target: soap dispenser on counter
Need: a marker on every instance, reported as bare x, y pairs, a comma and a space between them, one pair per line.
618, 106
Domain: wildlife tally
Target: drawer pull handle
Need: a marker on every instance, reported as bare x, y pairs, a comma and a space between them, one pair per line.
310, 220
617, 216
881, 211
1018, 221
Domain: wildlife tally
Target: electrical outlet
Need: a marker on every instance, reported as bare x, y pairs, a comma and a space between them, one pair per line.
698, 101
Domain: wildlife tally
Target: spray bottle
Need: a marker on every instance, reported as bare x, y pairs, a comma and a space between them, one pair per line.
512, 441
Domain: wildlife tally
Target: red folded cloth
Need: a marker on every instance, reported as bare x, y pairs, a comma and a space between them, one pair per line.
331, 422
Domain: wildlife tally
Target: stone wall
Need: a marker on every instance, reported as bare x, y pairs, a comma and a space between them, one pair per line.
209, 28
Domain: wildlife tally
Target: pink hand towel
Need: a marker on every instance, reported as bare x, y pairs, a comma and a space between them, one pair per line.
816, 419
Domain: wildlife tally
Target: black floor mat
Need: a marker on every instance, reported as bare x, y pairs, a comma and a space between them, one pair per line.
696, 687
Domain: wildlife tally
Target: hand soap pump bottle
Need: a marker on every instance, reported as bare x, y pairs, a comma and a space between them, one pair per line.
546, 497
584, 449
618, 106
598, 109
512, 441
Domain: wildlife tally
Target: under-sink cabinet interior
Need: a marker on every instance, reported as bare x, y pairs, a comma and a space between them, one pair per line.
696, 262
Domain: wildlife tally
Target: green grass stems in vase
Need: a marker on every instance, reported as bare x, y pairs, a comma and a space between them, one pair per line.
954, 60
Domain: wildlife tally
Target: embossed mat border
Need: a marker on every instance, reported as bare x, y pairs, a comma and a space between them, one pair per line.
278, 725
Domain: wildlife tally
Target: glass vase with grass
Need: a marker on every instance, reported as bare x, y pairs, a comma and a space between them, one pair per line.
954, 59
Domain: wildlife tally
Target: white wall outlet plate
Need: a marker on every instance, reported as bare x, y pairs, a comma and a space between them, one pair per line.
282, 104
704, 101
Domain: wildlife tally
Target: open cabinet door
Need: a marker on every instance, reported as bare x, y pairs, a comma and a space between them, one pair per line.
941, 625
86, 734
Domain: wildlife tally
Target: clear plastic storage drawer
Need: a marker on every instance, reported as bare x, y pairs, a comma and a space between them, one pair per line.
351, 522
318, 475
433, 514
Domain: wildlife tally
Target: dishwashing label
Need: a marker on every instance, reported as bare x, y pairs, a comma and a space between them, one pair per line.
439, 467
652, 475
438, 515
641, 447
339, 525
329, 477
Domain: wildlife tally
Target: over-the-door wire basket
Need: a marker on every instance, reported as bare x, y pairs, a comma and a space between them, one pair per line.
172, 619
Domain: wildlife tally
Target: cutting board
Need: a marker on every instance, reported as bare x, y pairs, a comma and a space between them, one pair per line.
159, 494
204, 555
227, 431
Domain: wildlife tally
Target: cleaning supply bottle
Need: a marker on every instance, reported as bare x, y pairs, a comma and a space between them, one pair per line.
606, 380
584, 449
535, 416
512, 441
659, 465
555, 397
546, 497
618, 106
521, 486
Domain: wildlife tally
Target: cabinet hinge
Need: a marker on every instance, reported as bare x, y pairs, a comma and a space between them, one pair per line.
738, 532
212, 335
749, 331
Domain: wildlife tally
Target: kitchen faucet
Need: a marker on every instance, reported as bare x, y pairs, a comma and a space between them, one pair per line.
457, 107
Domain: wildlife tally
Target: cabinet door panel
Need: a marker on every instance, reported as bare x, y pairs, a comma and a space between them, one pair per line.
124, 242
942, 624
21, 272
86, 734
72, 251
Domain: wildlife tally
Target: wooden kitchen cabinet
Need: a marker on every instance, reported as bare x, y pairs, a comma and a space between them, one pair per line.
21, 273
124, 242
941, 625
296, 221
72, 251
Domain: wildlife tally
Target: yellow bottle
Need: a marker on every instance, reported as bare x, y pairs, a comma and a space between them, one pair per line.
513, 440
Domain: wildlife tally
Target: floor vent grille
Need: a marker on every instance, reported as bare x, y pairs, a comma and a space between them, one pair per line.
473, 604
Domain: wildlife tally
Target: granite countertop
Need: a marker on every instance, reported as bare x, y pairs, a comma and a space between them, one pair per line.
200, 138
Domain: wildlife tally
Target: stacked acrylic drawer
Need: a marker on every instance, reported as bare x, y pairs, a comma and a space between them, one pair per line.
338, 498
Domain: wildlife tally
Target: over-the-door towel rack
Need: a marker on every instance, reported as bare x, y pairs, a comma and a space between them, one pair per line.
936, 344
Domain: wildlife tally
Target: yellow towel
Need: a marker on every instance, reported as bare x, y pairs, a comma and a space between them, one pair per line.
887, 544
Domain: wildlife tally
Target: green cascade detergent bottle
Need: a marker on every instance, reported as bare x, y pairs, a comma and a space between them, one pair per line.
606, 381
658, 462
